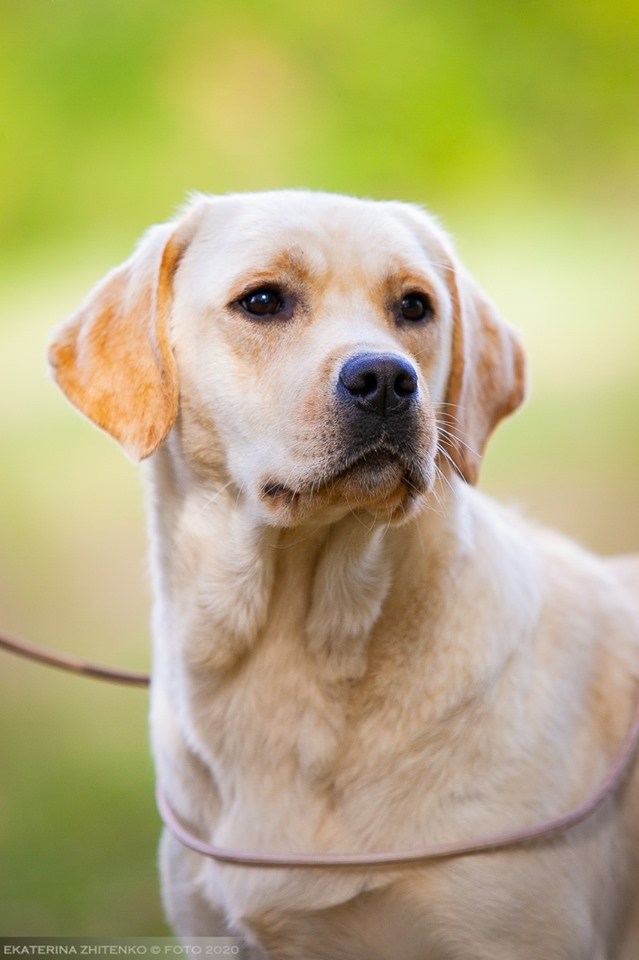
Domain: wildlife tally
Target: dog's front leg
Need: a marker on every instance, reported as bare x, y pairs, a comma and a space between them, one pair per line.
188, 911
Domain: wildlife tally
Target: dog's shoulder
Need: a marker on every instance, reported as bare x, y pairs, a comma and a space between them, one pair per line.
625, 569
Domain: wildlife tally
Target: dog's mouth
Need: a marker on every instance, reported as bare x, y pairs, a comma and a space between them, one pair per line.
380, 476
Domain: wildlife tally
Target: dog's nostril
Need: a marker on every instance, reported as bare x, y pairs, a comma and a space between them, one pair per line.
381, 383
406, 383
369, 385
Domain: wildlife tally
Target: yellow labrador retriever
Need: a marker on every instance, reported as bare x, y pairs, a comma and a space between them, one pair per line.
354, 650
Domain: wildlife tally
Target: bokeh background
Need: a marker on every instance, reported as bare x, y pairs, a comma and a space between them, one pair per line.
517, 123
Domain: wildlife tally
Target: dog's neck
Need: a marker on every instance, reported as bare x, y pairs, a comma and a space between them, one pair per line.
284, 660
228, 577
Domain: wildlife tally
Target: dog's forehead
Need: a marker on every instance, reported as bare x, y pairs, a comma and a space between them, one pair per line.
328, 235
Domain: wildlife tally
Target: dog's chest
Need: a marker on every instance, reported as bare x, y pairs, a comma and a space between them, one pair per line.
297, 768
280, 708
495, 910
274, 725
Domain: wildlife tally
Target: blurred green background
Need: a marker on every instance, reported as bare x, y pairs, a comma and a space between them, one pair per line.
516, 123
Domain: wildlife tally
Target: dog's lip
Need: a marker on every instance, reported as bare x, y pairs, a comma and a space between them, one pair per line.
374, 458
273, 490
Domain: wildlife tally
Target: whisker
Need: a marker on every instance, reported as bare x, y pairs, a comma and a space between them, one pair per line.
202, 509
445, 479
452, 463
454, 436
460, 441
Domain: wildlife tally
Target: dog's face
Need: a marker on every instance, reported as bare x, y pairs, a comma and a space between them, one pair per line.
321, 353
312, 337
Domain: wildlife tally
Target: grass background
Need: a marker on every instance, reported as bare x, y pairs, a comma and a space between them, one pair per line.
517, 123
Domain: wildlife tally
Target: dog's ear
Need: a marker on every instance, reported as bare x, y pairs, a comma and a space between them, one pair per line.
112, 358
487, 379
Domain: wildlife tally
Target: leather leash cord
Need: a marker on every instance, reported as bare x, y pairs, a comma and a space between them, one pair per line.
247, 858
63, 661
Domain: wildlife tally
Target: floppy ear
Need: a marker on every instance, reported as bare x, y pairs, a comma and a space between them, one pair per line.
487, 375
112, 358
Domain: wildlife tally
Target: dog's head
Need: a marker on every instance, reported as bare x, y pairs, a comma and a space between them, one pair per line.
320, 353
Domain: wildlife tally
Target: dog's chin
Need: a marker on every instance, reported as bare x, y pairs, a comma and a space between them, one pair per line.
380, 482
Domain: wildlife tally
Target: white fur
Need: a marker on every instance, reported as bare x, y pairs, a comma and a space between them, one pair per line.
344, 682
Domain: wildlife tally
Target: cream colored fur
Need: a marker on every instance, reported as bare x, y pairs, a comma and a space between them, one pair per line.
337, 674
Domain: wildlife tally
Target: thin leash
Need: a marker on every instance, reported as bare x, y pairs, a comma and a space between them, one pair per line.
609, 785
64, 661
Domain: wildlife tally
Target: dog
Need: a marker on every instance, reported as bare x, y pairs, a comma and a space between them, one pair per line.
353, 648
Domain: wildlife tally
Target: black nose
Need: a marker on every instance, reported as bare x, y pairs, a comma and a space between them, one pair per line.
380, 383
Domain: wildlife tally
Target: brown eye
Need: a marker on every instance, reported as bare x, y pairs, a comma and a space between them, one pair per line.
416, 306
262, 303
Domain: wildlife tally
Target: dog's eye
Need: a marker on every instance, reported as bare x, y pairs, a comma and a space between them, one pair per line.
416, 306
262, 303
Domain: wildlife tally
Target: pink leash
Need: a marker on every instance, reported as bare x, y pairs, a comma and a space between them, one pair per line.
63, 661
248, 858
